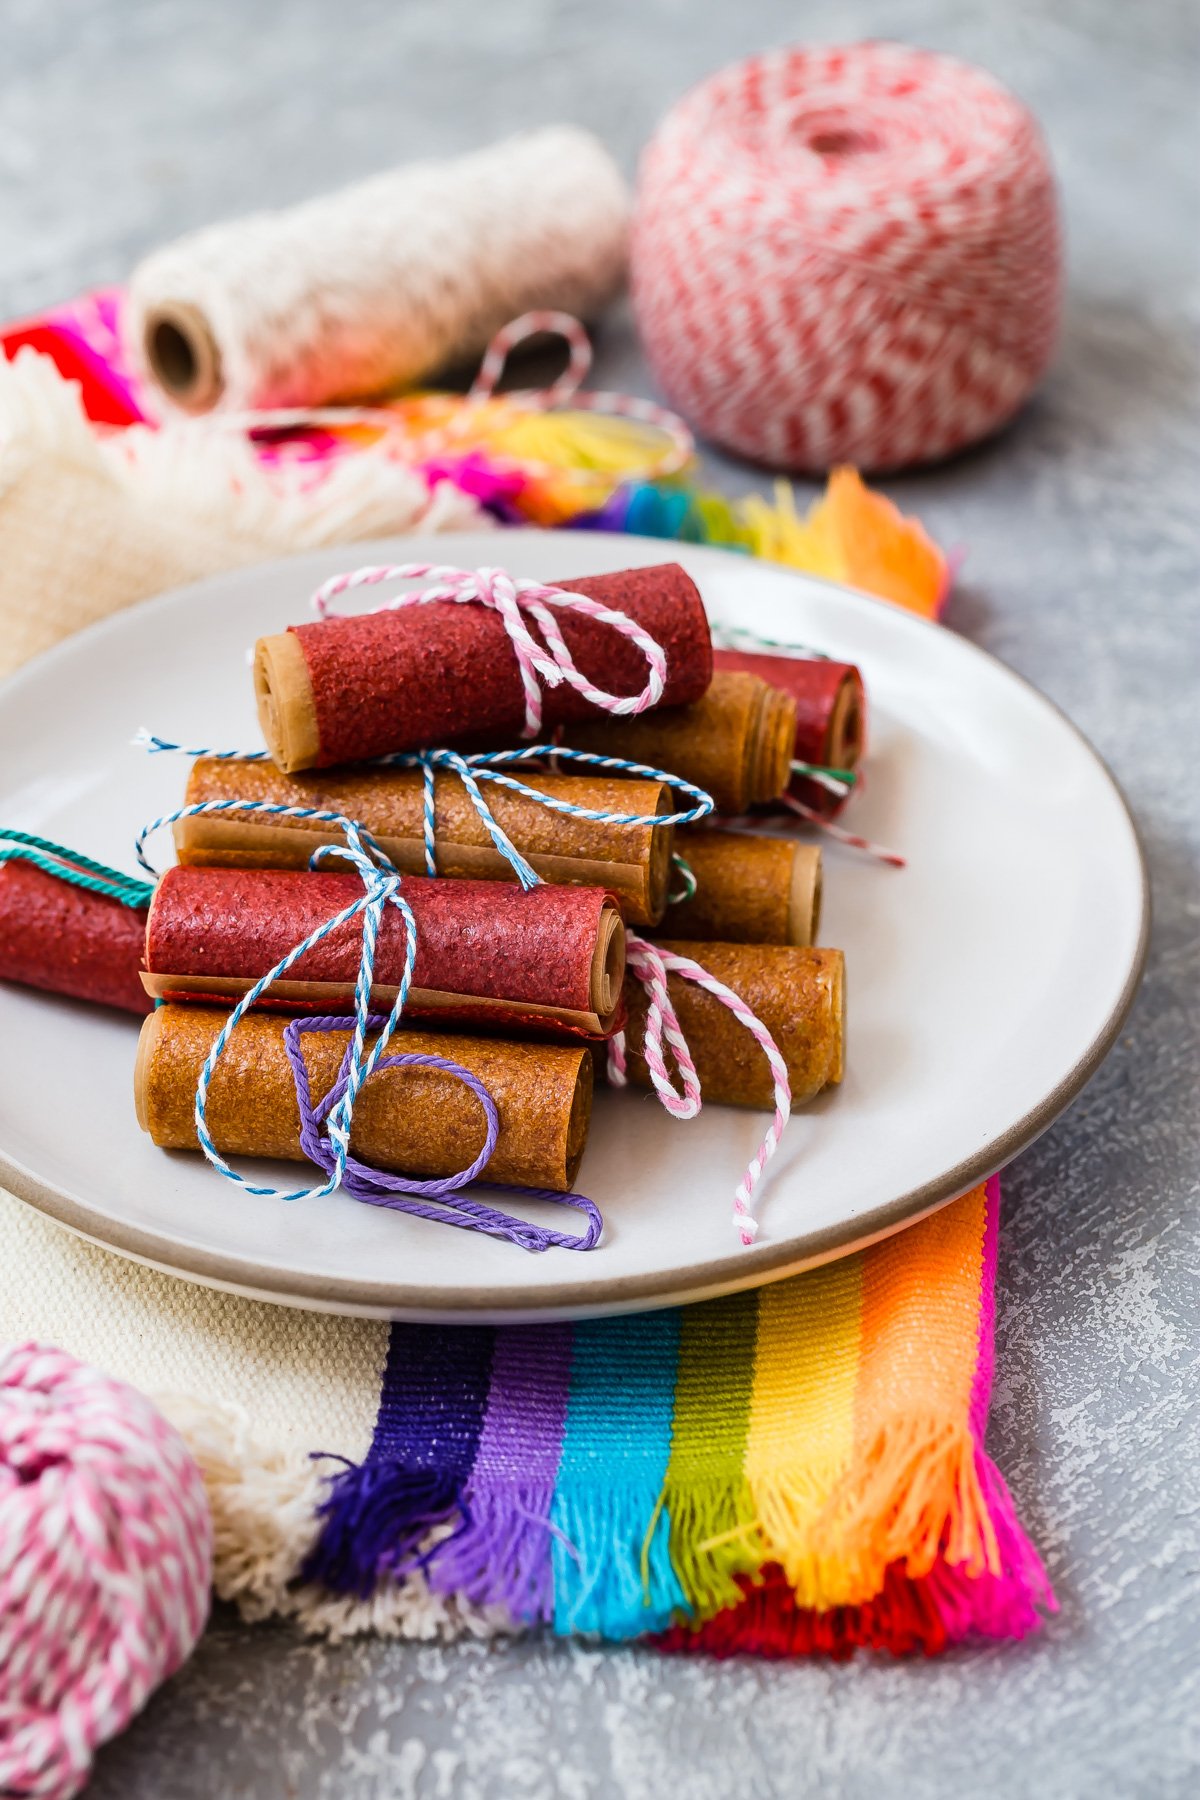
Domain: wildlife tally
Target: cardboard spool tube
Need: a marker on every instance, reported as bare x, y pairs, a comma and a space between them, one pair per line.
750, 889
736, 742
422, 1122
632, 861
798, 994
486, 952
183, 355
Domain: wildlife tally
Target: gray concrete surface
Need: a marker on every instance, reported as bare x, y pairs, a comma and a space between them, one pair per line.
121, 124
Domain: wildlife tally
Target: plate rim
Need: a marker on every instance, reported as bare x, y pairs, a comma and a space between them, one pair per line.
743, 1268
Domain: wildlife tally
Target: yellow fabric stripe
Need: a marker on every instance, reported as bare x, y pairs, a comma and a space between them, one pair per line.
801, 1431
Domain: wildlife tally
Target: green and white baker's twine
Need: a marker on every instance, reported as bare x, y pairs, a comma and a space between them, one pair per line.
68, 865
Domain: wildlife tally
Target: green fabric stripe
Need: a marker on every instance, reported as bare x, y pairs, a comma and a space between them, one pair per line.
705, 1490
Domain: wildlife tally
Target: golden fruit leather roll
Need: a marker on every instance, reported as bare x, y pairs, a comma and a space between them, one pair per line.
412, 1121
548, 962
632, 861
348, 689
736, 743
798, 994
749, 889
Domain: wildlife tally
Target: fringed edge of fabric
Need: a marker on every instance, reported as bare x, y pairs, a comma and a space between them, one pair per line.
267, 1521
922, 1490
211, 476
378, 1547
500, 1555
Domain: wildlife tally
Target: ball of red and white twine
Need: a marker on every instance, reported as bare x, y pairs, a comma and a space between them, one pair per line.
847, 255
105, 1563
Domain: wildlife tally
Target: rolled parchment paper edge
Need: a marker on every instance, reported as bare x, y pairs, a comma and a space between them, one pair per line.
772, 746
283, 693
804, 897
845, 739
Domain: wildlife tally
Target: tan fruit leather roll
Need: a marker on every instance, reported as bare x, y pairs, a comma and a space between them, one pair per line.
413, 1121
736, 743
798, 994
632, 861
749, 889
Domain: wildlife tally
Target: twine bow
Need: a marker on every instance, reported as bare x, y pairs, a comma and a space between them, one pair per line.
485, 766
513, 597
325, 1125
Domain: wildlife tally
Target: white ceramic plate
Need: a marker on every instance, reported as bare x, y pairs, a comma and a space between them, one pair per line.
985, 982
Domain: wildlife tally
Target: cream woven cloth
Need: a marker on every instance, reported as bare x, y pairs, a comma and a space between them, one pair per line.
89, 525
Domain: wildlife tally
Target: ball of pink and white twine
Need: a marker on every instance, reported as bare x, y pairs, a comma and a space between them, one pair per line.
105, 1563
847, 254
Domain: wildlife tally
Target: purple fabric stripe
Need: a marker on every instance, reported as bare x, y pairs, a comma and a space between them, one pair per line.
527, 1408
377, 1515
502, 1556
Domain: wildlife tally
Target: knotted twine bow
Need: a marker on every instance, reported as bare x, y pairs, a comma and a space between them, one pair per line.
325, 1127
512, 597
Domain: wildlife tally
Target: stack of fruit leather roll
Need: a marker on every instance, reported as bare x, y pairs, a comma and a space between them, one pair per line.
547, 963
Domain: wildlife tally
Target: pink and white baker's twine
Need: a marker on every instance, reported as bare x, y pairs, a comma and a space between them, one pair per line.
514, 596
567, 391
880, 851
652, 964
105, 1564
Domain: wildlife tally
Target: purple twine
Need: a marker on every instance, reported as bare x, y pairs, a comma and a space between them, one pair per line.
404, 1193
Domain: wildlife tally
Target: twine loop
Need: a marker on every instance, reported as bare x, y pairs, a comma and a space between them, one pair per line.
651, 963
516, 598
74, 868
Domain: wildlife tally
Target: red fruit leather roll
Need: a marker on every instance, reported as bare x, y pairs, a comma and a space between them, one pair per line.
551, 960
68, 940
348, 689
831, 715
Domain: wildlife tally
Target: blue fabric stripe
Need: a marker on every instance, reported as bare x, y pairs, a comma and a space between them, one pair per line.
610, 1479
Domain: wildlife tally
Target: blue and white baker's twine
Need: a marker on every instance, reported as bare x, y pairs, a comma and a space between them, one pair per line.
471, 770
381, 888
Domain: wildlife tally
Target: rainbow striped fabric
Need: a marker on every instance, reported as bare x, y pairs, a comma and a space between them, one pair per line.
794, 1469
